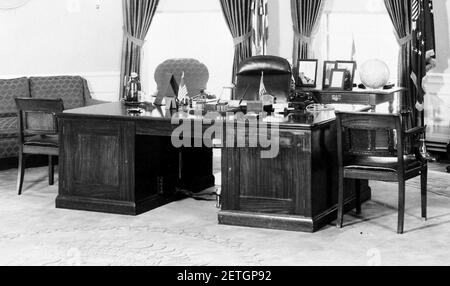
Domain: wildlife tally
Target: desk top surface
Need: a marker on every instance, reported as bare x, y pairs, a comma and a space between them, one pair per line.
118, 111
360, 91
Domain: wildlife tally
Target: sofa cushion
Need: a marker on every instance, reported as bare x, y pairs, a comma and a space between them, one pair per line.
9, 148
8, 127
9, 90
69, 88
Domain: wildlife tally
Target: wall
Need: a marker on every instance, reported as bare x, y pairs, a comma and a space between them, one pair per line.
55, 37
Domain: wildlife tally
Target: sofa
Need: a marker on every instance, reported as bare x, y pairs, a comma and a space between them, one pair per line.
73, 90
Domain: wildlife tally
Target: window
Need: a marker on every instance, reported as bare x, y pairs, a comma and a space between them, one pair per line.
366, 22
190, 29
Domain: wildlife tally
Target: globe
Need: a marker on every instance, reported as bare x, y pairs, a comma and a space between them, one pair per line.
374, 74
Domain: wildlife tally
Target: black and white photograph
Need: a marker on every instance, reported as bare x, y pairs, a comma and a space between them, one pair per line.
350, 67
328, 66
337, 80
230, 135
307, 73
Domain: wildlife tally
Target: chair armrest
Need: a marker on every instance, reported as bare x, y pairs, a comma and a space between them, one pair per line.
416, 131
92, 101
416, 142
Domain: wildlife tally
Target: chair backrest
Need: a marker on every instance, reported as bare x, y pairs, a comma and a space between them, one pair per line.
370, 134
196, 75
277, 77
38, 116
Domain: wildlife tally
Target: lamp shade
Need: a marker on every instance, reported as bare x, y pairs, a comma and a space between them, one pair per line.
374, 74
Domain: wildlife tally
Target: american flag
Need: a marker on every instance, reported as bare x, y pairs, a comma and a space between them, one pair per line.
182, 91
353, 48
262, 87
423, 46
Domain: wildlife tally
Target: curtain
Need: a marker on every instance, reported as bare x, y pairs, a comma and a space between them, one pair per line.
401, 16
305, 17
260, 27
138, 16
238, 16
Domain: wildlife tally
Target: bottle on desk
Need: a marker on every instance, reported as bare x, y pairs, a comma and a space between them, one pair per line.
133, 88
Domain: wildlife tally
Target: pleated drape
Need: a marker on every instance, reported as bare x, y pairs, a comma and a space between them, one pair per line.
305, 17
238, 15
401, 16
138, 16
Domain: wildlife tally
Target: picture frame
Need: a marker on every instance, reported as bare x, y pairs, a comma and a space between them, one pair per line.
337, 81
350, 66
328, 66
307, 73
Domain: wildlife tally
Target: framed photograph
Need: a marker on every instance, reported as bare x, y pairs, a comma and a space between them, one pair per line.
328, 66
337, 81
350, 66
307, 73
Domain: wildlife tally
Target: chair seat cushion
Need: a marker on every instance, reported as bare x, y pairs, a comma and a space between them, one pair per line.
43, 140
8, 127
387, 164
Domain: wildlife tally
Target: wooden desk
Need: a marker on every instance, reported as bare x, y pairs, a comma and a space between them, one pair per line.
295, 191
116, 163
359, 96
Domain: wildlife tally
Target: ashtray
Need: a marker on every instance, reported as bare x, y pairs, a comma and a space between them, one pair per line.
135, 111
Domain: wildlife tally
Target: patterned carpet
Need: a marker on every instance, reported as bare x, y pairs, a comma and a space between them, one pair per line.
33, 232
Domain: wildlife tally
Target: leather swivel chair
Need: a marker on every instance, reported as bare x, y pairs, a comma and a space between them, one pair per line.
277, 78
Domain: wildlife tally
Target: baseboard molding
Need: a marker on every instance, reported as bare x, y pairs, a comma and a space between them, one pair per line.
103, 85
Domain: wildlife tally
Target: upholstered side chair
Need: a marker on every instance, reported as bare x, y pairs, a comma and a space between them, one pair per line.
361, 156
38, 132
196, 74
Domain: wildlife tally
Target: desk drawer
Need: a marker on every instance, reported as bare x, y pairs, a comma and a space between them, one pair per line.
344, 99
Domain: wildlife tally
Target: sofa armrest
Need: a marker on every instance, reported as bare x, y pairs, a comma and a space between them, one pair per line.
91, 101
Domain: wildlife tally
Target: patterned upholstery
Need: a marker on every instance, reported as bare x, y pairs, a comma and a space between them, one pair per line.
69, 88
9, 90
8, 127
72, 90
196, 74
9, 148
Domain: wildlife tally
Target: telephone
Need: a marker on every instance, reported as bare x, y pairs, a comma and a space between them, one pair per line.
300, 99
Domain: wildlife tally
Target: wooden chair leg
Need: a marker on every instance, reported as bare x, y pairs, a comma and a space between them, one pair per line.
21, 173
51, 171
340, 216
401, 207
423, 187
358, 197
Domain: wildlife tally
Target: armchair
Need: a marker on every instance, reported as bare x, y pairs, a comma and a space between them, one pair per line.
277, 78
37, 139
397, 161
197, 168
196, 74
